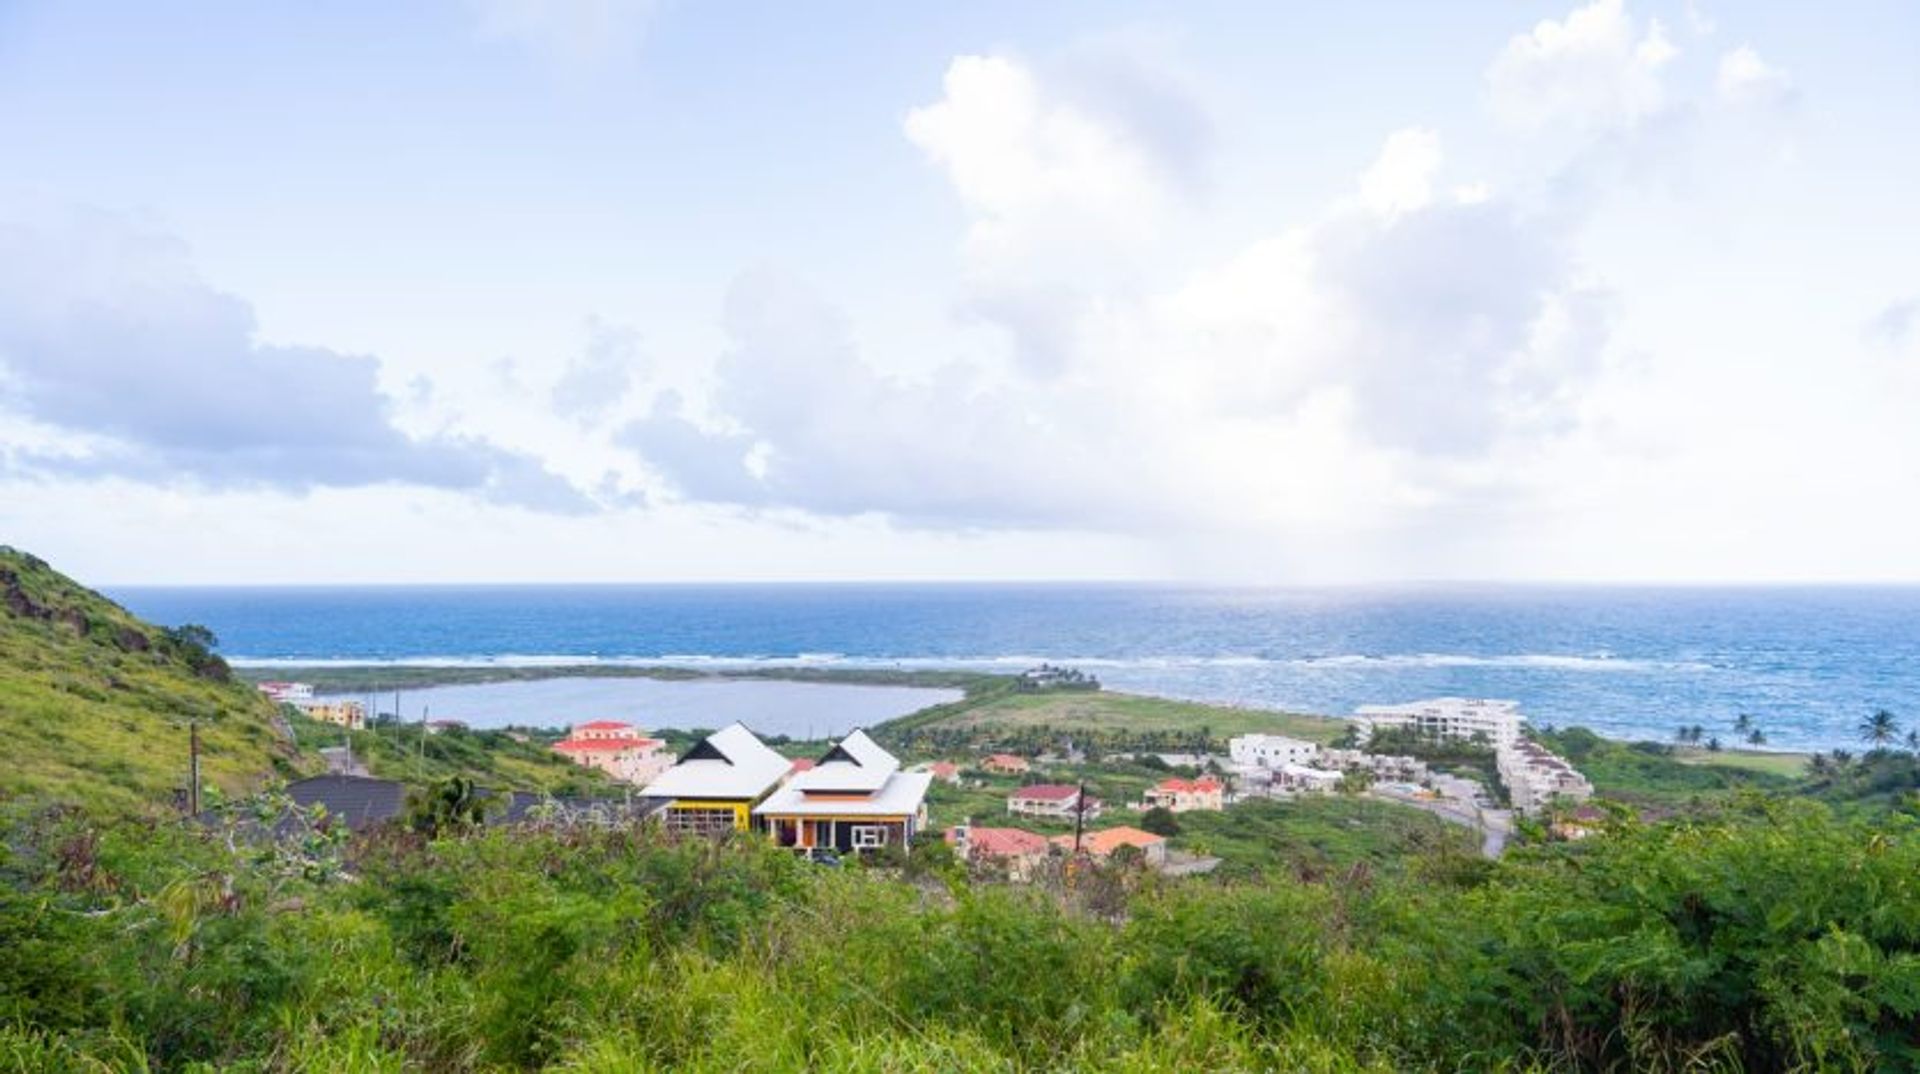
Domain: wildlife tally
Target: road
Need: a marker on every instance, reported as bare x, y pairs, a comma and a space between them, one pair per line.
1494, 825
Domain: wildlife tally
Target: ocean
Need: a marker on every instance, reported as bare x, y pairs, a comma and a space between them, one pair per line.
1806, 663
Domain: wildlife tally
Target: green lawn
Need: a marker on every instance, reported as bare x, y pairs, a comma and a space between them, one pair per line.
1105, 711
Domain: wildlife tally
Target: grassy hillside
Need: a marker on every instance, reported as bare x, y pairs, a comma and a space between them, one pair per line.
95, 703
1004, 716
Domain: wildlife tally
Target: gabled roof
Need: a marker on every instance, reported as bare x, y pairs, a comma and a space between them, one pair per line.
1046, 792
603, 725
731, 763
855, 764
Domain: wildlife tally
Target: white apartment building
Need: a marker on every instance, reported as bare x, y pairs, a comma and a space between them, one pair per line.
1536, 776
1446, 717
1270, 751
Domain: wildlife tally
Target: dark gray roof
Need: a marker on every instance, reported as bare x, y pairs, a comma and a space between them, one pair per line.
358, 801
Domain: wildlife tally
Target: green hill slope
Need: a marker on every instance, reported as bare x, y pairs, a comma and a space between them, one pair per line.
95, 704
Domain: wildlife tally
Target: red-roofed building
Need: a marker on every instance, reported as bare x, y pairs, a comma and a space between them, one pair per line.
1056, 800
1004, 763
1181, 795
945, 771
616, 748
1014, 850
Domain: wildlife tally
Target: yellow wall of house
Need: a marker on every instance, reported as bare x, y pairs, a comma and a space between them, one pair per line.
740, 810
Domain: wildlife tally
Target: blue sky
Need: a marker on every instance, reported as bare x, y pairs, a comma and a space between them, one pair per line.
605, 289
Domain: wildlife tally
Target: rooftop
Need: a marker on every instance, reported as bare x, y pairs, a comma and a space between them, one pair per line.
731, 763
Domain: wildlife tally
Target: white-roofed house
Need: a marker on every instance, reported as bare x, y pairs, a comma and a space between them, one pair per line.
854, 798
715, 785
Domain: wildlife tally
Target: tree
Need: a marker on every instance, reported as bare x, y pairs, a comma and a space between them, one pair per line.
1880, 728
1756, 737
1160, 821
1713, 744
450, 805
1913, 741
1743, 723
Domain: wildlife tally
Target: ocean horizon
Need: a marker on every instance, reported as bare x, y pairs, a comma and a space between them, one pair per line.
1806, 662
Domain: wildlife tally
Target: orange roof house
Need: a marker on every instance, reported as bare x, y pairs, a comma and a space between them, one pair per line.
616, 748
1006, 763
1100, 845
1181, 795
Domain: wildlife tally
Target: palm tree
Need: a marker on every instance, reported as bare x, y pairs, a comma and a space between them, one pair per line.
1818, 764
1743, 723
1756, 737
1913, 741
1880, 728
1713, 744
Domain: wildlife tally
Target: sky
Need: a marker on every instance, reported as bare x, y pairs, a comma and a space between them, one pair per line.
649, 290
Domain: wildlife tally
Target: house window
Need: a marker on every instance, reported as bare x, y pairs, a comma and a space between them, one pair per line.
868, 836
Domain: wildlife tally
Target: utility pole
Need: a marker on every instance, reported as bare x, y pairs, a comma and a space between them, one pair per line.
193, 767
1079, 816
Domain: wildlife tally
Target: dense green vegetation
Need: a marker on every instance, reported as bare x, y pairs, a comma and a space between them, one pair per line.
1768, 936
1649, 773
97, 703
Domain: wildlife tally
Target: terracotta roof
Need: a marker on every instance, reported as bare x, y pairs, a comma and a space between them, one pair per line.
1046, 792
1006, 759
604, 745
944, 769
604, 725
801, 764
1203, 785
1000, 842
1107, 840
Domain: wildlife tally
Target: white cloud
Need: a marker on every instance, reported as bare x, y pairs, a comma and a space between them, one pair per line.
596, 381
108, 335
1401, 179
1036, 170
1337, 372
1894, 324
1594, 70
1746, 79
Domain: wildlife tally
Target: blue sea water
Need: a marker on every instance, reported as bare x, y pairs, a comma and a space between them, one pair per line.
1806, 663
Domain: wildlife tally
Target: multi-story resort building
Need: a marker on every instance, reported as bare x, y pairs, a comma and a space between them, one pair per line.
715, 785
1536, 778
1497, 722
854, 798
1270, 751
618, 749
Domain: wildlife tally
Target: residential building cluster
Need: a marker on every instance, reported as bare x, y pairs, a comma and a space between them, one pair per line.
1533, 776
344, 713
